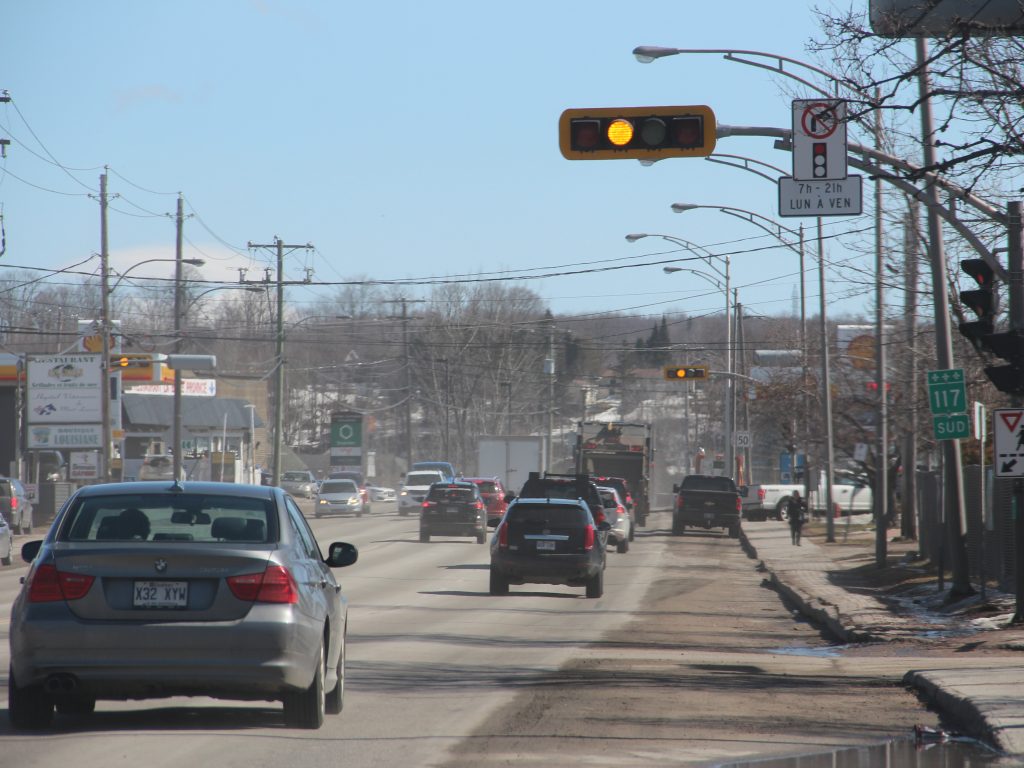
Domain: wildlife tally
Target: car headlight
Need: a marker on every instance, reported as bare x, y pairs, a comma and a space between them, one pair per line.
322, 501
404, 493
353, 500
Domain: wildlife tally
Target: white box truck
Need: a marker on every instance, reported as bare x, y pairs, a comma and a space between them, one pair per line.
511, 458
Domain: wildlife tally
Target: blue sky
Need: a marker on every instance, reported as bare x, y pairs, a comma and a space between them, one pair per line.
403, 139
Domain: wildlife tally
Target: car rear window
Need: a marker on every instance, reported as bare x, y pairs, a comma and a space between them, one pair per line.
699, 483
451, 494
338, 486
421, 478
486, 486
547, 515
609, 499
296, 477
169, 518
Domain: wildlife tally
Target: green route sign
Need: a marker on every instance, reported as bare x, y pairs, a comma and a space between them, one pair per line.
947, 393
956, 426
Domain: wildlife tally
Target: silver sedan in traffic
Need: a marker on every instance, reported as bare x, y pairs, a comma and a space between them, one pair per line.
157, 589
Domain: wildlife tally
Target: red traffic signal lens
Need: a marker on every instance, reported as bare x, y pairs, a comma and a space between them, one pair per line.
586, 134
688, 132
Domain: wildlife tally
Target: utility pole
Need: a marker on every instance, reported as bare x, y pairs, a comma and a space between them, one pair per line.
826, 394
105, 333
507, 386
407, 412
549, 369
881, 493
953, 504
447, 409
179, 308
279, 246
908, 511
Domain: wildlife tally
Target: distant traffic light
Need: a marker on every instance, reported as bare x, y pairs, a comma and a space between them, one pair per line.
640, 133
688, 372
982, 301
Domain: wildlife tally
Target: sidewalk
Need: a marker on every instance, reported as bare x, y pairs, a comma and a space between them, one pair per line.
986, 703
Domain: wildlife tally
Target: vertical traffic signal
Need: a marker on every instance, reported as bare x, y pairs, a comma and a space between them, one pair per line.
641, 133
1007, 378
982, 301
819, 159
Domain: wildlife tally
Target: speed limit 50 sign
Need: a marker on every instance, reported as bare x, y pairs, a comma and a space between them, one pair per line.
819, 139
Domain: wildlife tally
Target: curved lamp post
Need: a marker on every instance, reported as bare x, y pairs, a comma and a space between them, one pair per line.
179, 310
107, 289
707, 256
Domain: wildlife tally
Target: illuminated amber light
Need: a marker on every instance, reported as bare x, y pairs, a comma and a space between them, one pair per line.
620, 132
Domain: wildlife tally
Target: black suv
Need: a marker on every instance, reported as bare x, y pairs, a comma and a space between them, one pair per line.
551, 486
453, 509
549, 541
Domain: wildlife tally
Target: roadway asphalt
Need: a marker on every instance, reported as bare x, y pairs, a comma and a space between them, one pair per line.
985, 703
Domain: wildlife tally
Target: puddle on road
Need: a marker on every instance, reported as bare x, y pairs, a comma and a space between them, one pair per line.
825, 652
906, 753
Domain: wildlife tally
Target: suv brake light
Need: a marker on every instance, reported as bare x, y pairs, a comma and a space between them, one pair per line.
588, 537
761, 494
14, 503
679, 501
274, 585
503, 535
739, 504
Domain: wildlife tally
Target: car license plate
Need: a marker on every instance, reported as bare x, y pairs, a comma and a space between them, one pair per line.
546, 545
709, 516
452, 511
160, 594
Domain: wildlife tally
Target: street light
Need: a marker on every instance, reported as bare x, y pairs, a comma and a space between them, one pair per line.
730, 405
105, 322
179, 311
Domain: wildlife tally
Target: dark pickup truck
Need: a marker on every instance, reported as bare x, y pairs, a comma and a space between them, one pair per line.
707, 501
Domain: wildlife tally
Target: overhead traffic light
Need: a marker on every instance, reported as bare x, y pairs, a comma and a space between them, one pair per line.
688, 373
1009, 346
639, 133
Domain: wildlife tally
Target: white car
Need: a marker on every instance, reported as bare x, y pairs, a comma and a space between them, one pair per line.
301, 484
6, 542
414, 489
379, 493
338, 497
618, 517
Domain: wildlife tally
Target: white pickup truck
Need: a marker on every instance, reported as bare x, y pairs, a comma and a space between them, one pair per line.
764, 501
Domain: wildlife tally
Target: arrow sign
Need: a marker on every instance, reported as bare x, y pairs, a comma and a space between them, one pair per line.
1007, 468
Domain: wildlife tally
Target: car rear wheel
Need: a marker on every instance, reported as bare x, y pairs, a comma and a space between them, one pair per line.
481, 538
28, 707
677, 528
734, 531
424, 537
305, 709
595, 584
336, 696
6, 560
499, 584
622, 546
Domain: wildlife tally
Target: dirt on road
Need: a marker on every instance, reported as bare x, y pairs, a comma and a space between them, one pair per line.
715, 667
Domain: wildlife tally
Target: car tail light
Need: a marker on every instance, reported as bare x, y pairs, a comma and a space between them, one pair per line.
761, 493
599, 517
479, 505
14, 503
588, 537
502, 536
739, 504
620, 509
629, 499
679, 501
427, 504
49, 585
274, 585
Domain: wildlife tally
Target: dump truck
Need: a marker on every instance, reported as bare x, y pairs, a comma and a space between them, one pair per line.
617, 449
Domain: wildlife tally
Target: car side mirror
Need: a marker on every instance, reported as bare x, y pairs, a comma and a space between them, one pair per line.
604, 525
30, 549
341, 554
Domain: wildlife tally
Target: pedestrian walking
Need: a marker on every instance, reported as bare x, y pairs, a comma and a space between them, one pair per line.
795, 513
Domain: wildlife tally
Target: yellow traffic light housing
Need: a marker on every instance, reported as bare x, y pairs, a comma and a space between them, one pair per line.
686, 373
640, 133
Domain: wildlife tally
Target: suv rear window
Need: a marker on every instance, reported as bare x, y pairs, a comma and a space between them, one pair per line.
421, 478
704, 483
338, 486
547, 515
451, 494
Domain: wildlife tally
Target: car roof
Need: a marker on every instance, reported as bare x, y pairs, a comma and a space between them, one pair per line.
168, 486
552, 502
453, 484
481, 479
